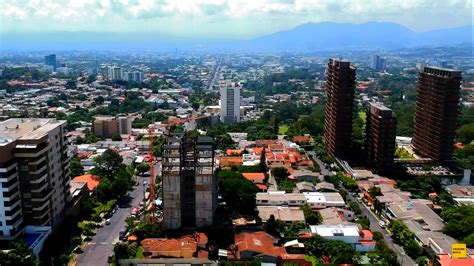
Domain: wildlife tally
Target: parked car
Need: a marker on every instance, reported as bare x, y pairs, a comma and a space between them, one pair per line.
109, 259
382, 224
123, 235
107, 222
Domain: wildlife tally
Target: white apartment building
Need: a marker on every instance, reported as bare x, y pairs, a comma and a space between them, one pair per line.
230, 102
115, 73
34, 174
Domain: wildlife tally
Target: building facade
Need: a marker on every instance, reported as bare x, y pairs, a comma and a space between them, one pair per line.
340, 89
381, 127
115, 73
109, 126
50, 60
230, 102
436, 112
189, 181
378, 63
34, 174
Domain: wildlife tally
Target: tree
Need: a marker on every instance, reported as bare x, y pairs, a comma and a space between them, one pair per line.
18, 254
71, 84
91, 78
223, 142
412, 248
337, 251
274, 124
459, 222
374, 192
263, 162
116, 137
273, 226
310, 216
99, 100
75, 167
280, 173
107, 164
124, 251
466, 133
239, 194
355, 207
142, 168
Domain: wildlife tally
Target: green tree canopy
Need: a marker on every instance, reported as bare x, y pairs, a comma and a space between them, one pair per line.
18, 254
107, 164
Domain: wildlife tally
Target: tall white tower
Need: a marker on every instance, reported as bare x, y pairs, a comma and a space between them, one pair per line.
230, 102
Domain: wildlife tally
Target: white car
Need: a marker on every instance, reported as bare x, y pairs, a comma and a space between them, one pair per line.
382, 224
107, 222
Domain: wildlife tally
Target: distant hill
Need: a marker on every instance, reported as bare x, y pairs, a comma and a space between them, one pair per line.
305, 37
372, 35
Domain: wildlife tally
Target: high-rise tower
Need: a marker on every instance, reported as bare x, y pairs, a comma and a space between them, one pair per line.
340, 86
380, 137
230, 102
436, 112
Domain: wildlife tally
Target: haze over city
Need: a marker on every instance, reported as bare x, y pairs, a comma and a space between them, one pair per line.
213, 132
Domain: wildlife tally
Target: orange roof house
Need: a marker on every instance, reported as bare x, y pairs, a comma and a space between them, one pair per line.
163, 247
259, 244
91, 180
303, 139
447, 260
231, 152
229, 161
184, 247
255, 177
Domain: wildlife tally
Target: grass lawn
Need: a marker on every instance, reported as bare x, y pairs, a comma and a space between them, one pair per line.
282, 129
139, 253
363, 116
313, 259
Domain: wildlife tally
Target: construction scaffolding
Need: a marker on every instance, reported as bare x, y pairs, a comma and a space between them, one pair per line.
189, 181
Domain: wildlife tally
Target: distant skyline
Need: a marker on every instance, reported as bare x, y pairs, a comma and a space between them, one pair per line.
223, 19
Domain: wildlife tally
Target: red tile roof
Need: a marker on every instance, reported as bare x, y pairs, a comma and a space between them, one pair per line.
446, 260
231, 152
91, 180
166, 245
262, 186
259, 242
254, 176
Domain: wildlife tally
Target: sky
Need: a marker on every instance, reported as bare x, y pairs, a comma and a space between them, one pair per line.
239, 19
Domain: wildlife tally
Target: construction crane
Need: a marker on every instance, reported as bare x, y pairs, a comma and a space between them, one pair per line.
152, 176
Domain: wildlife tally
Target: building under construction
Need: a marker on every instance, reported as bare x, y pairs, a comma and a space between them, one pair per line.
436, 113
340, 89
189, 181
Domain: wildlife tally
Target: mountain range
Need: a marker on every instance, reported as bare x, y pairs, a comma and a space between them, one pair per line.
306, 37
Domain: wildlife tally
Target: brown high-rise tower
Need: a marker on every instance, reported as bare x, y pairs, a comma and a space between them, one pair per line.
436, 112
380, 133
340, 88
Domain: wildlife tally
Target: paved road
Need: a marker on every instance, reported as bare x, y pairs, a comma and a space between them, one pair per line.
102, 244
374, 226
215, 76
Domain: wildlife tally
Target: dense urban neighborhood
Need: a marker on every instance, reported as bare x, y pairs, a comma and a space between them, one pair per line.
227, 159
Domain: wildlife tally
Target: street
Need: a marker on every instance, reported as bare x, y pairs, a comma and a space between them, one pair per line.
374, 226
102, 244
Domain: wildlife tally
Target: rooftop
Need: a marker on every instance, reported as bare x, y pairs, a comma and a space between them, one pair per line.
26, 128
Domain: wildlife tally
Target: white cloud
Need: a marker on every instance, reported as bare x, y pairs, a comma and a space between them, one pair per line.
221, 17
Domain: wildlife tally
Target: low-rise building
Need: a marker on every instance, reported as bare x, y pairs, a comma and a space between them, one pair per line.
316, 200
360, 240
284, 214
